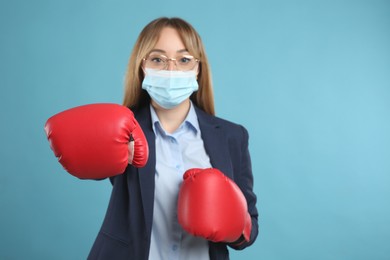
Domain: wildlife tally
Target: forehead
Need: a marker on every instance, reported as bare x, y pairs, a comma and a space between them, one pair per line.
169, 41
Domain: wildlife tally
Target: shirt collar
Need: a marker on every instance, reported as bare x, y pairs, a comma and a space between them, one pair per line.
191, 121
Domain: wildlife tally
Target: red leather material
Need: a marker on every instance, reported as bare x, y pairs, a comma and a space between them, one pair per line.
212, 206
91, 141
141, 148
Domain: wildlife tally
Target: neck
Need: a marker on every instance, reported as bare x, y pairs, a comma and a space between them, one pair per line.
171, 119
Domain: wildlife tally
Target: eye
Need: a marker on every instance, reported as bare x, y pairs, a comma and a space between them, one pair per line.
185, 60
156, 60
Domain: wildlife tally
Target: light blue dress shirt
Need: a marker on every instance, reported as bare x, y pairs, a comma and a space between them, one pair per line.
175, 153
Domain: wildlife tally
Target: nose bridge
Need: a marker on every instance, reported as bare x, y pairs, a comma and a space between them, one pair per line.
171, 64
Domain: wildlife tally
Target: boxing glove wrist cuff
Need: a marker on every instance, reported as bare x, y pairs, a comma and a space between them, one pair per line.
241, 240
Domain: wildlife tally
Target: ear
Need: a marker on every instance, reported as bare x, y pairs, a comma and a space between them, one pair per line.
143, 69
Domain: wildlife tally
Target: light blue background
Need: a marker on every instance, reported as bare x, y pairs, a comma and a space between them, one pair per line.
309, 79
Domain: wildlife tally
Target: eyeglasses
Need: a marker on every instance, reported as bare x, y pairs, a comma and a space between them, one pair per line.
160, 62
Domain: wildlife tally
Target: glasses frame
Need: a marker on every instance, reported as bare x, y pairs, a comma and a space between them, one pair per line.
174, 60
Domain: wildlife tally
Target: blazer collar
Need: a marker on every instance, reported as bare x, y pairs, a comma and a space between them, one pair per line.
214, 139
212, 132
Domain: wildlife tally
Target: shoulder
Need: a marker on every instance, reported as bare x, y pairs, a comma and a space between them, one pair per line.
230, 128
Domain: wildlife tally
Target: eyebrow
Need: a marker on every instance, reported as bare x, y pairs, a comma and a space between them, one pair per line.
162, 51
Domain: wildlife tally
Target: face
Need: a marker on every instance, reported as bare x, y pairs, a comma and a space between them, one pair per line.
170, 53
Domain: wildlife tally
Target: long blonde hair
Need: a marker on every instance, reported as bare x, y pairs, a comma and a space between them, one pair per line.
135, 96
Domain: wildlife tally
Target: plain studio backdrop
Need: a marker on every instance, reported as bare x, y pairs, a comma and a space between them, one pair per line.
310, 80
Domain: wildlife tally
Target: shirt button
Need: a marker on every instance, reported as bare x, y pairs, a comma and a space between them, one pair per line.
178, 166
174, 247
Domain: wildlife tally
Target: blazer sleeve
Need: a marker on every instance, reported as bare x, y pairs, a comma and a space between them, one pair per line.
244, 179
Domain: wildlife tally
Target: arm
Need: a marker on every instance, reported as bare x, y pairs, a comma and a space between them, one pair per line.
244, 180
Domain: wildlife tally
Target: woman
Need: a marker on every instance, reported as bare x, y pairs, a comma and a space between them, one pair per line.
173, 45
153, 213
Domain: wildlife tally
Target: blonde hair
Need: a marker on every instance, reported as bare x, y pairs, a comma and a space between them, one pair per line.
135, 96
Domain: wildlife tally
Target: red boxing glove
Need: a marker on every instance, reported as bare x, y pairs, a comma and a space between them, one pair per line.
97, 141
212, 206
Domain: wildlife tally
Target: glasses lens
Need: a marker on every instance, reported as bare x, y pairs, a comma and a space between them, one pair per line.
185, 62
155, 61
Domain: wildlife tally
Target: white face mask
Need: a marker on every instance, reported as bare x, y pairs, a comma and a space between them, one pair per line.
168, 88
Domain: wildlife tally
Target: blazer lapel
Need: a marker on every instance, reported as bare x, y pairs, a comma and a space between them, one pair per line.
215, 142
147, 173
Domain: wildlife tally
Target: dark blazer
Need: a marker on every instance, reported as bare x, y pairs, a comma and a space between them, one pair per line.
126, 230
